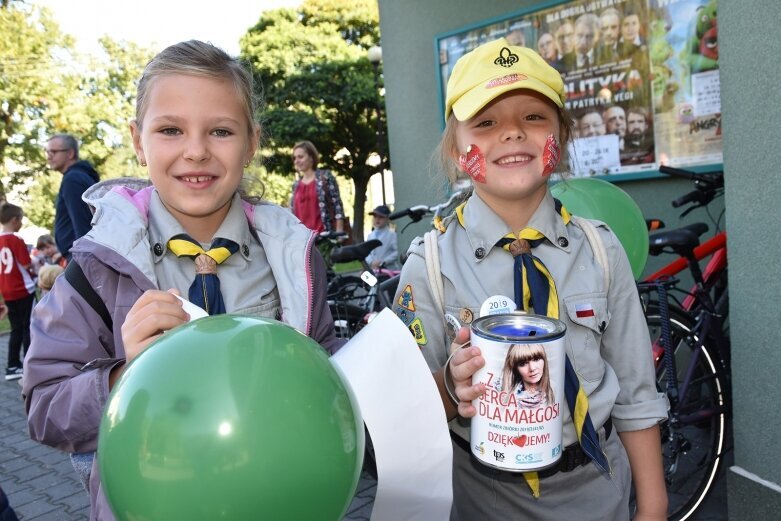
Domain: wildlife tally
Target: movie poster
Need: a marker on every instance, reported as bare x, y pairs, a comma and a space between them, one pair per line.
641, 78
684, 53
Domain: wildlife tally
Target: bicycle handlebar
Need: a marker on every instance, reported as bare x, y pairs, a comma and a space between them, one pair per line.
417, 212
694, 196
707, 187
414, 212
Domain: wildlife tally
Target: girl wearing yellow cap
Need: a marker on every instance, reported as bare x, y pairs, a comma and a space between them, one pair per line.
506, 126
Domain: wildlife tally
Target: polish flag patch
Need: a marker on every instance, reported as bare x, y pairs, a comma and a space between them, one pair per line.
584, 310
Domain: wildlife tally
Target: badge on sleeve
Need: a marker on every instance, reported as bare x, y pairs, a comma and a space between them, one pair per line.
405, 299
416, 328
406, 316
497, 305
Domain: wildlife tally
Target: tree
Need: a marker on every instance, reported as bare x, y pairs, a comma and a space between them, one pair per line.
47, 88
30, 45
312, 71
101, 103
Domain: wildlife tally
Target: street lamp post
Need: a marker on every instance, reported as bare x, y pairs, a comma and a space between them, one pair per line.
375, 57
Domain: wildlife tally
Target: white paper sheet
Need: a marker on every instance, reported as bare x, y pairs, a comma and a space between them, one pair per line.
401, 407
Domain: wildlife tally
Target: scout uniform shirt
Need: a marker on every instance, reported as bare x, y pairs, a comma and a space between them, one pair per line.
608, 345
246, 282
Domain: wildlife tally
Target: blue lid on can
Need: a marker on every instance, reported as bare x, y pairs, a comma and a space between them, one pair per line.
516, 330
519, 327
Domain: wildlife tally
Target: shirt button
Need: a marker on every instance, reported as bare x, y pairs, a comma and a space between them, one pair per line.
158, 249
563, 242
480, 252
245, 250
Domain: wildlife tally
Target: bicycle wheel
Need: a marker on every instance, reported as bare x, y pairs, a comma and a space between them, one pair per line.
693, 437
347, 298
348, 288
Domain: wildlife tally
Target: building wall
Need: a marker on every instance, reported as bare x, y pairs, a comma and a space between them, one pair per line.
750, 79
750, 89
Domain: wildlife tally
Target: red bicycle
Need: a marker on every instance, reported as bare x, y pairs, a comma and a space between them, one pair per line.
690, 334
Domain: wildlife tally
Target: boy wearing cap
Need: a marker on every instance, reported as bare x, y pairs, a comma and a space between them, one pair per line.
387, 255
511, 244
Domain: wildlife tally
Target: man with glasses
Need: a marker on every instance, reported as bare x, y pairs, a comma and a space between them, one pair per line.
72, 217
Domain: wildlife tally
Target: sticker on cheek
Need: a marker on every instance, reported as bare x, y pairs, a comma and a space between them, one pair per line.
550, 156
473, 163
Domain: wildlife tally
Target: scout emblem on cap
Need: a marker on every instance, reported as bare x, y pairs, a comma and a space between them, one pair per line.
506, 58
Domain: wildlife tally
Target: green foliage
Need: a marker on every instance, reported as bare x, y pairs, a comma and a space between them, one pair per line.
40, 197
31, 49
48, 88
312, 72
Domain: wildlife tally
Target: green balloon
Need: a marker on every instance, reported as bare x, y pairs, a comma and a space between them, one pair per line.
234, 418
603, 201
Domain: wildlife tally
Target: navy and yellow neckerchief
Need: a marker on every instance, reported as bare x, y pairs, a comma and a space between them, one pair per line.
205, 289
535, 291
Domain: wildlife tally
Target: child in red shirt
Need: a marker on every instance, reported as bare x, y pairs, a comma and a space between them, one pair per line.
16, 285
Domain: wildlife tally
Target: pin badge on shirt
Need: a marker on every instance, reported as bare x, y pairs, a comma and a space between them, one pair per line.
465, 315
452, 325
497, 305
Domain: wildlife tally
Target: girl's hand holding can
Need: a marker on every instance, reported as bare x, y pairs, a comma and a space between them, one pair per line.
464, 363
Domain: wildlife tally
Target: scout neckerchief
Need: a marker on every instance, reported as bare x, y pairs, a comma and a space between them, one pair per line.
205, 289
535, 291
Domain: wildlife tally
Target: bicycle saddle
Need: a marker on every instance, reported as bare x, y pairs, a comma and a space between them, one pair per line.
681, 240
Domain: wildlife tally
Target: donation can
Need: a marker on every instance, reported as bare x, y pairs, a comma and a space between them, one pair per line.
518, 425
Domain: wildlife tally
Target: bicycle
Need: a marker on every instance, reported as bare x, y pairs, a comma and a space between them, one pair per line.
695, 330
354, 300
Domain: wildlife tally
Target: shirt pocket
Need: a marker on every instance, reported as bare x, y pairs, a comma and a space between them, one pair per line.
268, 309
589, 318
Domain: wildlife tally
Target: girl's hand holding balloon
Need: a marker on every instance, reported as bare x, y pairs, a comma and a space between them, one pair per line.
152, 314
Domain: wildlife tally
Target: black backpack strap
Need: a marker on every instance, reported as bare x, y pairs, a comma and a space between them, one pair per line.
75, 276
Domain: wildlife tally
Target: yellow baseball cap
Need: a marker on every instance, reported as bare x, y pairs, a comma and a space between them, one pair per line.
494, 68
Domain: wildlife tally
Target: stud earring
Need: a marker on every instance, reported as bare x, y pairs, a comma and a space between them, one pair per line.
246, 165
142, 162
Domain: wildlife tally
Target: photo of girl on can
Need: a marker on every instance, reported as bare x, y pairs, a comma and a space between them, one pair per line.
526, 375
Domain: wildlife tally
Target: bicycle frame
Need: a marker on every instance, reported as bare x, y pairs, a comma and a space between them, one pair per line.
716, 245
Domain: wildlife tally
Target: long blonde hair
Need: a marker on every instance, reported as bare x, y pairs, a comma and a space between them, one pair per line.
519, 354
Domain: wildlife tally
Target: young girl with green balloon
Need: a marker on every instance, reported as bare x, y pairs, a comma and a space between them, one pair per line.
195, 130
512, 246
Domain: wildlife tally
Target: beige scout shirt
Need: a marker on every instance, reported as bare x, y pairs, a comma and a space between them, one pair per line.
610, 351
246, 282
